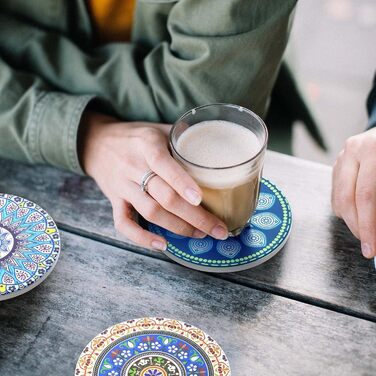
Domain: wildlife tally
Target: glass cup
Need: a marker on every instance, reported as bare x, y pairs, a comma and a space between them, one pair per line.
229, 192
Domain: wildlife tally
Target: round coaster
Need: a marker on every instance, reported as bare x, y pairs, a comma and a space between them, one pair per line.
29, 245
152, 347
265, 235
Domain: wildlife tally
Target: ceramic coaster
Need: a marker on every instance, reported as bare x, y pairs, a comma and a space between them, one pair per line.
29, 245
265, 235
152, 347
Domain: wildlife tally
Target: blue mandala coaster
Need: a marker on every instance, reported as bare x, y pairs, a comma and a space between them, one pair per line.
29, 245
265, 235
153, 346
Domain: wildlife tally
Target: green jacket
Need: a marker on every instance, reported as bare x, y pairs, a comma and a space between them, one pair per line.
183, 53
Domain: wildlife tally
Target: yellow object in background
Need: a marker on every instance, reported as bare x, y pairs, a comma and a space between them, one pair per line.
112, 19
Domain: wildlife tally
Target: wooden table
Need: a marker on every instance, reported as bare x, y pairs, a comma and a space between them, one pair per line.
311, 310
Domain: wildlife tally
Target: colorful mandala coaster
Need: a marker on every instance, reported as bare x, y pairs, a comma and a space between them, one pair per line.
29, 245
152, 347
267, 232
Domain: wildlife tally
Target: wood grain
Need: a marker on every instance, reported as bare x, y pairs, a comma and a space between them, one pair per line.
321, 263
95, 285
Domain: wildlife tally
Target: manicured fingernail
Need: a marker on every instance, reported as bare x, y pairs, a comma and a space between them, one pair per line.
198, 234
156, 244
219, 232
367, 250
192, 196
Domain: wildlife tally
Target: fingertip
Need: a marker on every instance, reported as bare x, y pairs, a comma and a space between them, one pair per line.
159, 244
367, 250
133, 232
219, 232
199, 234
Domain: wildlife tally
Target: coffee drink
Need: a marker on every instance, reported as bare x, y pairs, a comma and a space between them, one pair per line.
220, 156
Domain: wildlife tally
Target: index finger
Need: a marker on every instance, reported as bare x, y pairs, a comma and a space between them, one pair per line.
366, 207
163, 164
344, 178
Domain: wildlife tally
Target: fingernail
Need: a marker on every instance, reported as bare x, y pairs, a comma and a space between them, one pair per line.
156, 244
198, 234
192, 196
367, 250
219, 232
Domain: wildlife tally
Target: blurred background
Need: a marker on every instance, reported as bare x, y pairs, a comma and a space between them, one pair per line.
332, 51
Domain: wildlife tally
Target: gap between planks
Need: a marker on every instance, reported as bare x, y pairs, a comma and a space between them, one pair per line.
223, 276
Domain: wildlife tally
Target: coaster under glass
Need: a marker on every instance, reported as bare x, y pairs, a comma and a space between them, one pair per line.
265, 235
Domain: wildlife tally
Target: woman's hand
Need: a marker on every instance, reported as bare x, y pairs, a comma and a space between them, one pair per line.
354, 188
118, 154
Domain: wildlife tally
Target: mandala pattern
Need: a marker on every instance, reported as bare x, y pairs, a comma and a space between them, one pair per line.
198, 246
262, 238
153, 347
158, 364
6, 242
29, 245
173, 354
229, 248
265, 221
265, 201
253, 238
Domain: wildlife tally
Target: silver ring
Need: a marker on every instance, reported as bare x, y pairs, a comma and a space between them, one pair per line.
145, 180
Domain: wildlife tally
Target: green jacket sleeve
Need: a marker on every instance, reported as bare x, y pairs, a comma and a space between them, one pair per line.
37, 124
215, 51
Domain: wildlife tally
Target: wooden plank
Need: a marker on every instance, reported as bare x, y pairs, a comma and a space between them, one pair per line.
95, 285
321, 263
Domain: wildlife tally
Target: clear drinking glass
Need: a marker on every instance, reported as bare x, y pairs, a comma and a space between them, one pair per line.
230, 192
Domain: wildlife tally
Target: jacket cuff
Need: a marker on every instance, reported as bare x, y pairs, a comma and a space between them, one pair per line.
372, 117
371, 107
53, 129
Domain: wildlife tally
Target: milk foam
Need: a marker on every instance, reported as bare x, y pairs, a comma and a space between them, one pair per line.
219, 143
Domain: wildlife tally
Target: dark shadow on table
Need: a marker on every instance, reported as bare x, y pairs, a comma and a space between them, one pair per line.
22, 315
270, 270
352, 272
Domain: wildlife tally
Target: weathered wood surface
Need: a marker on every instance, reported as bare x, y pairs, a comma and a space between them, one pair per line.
321, 263
95, 285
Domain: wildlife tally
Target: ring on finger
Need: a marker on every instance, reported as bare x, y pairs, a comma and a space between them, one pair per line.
145, 180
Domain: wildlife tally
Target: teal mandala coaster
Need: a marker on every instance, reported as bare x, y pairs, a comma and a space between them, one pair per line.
264, 236
29, 245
